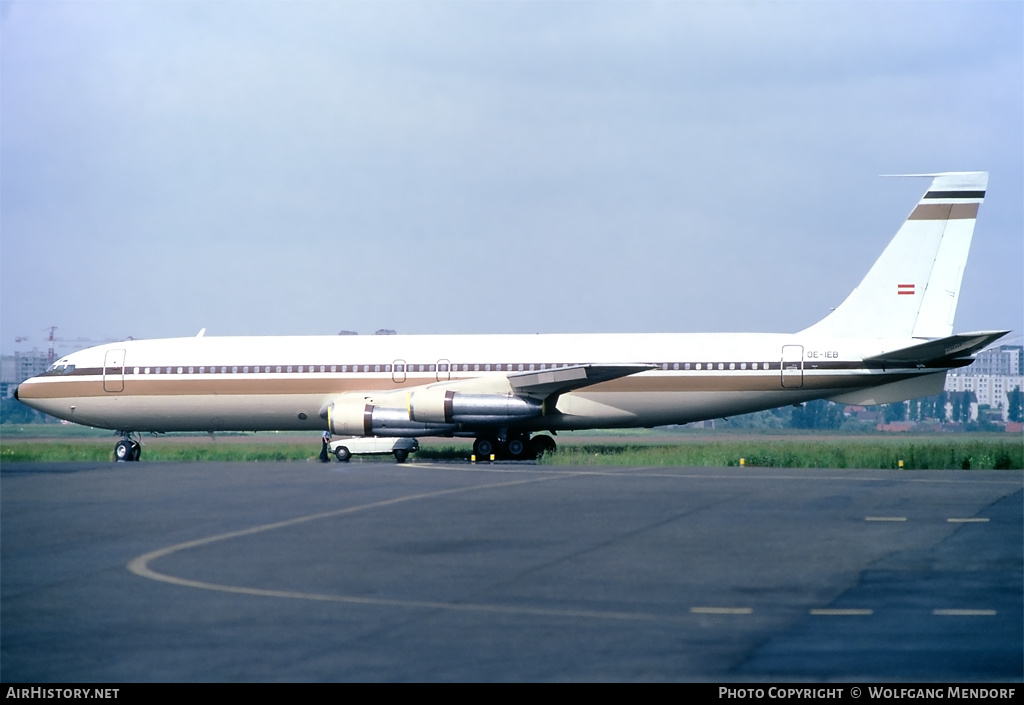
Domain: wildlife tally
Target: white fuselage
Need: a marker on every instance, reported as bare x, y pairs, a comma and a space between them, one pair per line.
284, 383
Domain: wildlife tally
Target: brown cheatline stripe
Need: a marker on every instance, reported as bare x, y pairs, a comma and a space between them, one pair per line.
169, 386
945, 211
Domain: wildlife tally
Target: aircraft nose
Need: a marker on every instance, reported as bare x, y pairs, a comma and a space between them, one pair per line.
15, 392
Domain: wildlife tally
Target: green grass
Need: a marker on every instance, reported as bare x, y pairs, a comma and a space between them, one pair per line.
64, 451
917, 453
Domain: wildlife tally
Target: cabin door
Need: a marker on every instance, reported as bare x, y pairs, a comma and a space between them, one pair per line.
444, 370
398, 372
792, 366
113, 371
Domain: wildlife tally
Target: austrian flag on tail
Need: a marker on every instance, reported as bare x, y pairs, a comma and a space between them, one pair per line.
905, 289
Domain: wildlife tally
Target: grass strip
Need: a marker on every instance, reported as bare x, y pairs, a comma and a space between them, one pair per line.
916, 454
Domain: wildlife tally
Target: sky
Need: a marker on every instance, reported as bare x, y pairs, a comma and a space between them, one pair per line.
265, 168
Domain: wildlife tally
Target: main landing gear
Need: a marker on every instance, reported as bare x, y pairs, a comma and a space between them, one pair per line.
515, 447
128, 449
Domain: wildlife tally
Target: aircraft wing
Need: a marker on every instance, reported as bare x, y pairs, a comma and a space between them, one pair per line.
953, 351
444, 407
544, 383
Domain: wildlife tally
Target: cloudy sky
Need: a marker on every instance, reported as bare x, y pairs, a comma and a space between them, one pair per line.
481, 167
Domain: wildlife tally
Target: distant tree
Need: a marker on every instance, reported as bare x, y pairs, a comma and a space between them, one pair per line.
895, 412
757, 419
13, 411
817, 414
914, 409
940, 406
961, 406
1015, 405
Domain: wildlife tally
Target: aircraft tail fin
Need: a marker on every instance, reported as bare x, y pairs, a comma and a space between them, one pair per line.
913, 288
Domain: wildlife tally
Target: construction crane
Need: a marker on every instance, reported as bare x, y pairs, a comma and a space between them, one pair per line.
76, 343
49, 353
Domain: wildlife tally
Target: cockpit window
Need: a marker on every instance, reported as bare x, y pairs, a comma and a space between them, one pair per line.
60, 368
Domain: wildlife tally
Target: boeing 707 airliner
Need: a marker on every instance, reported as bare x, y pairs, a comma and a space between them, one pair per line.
890, 340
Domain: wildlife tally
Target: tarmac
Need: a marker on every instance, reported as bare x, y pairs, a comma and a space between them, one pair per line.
367, 571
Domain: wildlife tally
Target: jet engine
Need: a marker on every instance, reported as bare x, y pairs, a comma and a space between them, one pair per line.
427, 412
445, 406
356, 417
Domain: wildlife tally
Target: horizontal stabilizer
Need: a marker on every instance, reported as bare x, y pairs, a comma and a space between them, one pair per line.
544, 383
954, 351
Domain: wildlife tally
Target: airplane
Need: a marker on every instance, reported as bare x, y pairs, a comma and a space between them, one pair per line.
890, 340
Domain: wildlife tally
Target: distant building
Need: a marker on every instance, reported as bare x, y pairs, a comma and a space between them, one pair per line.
992, 376
16, 368
1003, 360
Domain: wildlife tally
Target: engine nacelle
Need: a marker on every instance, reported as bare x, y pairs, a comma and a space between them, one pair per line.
445, 406
356, 417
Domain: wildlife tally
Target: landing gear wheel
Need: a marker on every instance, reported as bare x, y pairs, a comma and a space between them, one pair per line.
124, 452
483, 448
342, 454
516, 448
401, 455
136, 451
542, 444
